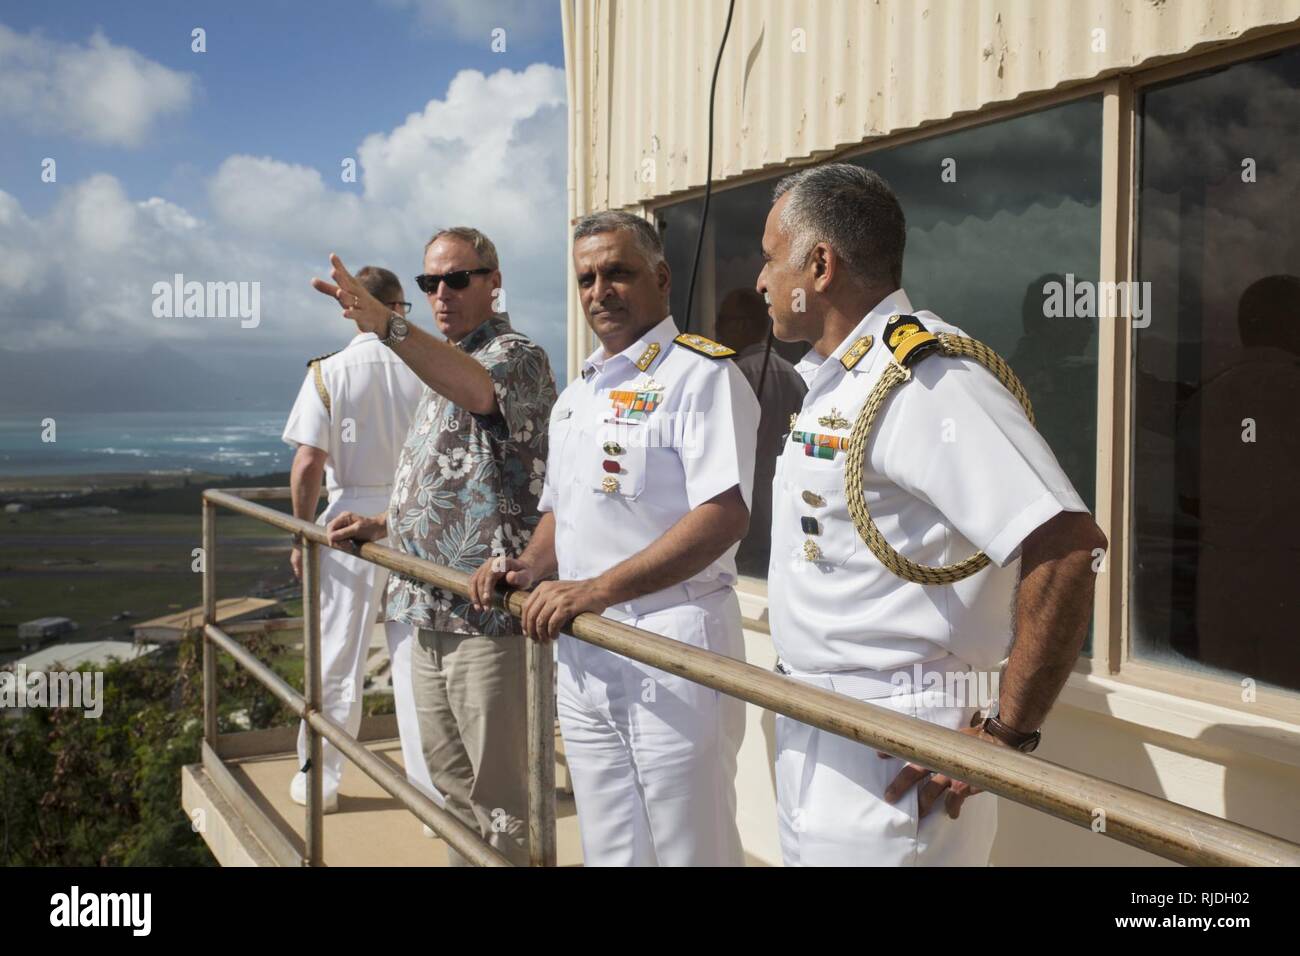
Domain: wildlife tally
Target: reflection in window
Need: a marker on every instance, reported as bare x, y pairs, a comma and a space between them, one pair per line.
1216, 480
1020, 205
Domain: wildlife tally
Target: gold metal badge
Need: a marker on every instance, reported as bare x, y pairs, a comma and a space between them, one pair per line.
812, 498
609, 484
810, 550
833, 420
901, 331
853, 354
613, 448
648, 356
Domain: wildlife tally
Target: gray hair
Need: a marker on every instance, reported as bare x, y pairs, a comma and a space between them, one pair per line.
487, 252
853, 210
613, 220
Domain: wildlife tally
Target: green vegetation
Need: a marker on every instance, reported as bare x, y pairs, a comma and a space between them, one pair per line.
59, 561
106, 792
91, 792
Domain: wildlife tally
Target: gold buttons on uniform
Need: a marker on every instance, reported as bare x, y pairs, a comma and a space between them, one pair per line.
810, 550
609, 484
613, 448
812, 498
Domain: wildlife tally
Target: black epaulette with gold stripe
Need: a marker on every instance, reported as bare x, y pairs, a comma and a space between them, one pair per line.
908, 339
321, 358
706, 347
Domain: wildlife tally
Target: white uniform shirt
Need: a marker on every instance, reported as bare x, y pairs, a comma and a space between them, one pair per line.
953, 466
373, 396
696, 443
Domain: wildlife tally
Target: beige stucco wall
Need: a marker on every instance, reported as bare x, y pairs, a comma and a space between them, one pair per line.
803, 78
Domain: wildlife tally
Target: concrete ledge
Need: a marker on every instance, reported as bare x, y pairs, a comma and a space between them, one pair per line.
231, 842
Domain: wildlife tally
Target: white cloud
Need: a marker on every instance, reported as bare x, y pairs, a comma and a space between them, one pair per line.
488, 154
99, 92
476, 19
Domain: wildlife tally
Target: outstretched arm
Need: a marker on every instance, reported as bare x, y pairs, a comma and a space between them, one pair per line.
443, 367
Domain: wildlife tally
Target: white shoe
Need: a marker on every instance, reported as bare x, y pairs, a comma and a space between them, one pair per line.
298, 793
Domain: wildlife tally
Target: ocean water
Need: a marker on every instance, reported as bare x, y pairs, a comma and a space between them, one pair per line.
162, 442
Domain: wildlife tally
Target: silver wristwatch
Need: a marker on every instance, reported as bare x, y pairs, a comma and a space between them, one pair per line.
398, 330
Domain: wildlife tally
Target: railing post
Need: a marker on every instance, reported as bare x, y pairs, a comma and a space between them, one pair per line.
209, 553
541, 752
312, 691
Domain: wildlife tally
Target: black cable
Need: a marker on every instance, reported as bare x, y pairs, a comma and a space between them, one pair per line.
708, 170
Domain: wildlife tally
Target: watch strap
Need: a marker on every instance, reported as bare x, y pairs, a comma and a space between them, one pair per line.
1023, 742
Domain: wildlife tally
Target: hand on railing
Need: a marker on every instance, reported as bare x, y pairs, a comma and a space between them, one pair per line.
483, 582
348, 530
554, 604
551, 606
936, 785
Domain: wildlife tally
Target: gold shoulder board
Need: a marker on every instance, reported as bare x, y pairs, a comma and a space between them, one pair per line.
705, 347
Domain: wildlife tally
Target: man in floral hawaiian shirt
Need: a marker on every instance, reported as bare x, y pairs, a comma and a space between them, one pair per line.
465, 491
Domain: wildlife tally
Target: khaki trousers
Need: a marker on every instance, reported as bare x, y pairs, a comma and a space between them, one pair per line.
470, 697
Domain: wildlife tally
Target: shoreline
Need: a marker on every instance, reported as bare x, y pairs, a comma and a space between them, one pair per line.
27, 488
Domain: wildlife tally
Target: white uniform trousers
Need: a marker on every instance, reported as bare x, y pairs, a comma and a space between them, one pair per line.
401, 638
351, 596
830, 805
652, 756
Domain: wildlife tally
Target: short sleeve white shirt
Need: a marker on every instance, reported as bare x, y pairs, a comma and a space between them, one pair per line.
372, 399
617, 481
952, 466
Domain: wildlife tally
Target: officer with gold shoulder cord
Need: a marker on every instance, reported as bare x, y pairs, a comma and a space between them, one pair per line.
647, 493
920, 526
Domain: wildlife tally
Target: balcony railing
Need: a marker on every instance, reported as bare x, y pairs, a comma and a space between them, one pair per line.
1138, 819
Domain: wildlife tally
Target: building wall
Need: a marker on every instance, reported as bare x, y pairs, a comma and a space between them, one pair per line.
881, 71
867, 69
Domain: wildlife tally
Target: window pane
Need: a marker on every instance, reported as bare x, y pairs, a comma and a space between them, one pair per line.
1216, 476
994, 213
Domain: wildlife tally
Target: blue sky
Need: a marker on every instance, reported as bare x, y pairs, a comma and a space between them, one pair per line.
295, 80
226, 164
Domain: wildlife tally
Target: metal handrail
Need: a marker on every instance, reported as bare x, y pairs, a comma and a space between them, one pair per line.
1150, 823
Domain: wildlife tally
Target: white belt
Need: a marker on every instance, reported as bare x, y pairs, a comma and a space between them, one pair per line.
868, 684
688, 592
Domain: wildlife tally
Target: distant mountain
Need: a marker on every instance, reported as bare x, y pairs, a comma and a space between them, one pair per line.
157, 378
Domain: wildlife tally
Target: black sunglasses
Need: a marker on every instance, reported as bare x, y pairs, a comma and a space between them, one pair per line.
455, 280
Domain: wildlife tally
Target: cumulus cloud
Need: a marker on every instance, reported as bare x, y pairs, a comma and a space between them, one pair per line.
476, 19
98, 92
490, 153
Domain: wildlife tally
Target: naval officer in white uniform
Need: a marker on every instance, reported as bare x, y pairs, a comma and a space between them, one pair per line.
952, 465
647, 494
351, 416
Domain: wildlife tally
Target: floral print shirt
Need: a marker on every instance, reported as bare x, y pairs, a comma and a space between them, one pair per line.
466, 486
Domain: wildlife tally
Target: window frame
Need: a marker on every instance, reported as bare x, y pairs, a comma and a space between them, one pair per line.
1112, 656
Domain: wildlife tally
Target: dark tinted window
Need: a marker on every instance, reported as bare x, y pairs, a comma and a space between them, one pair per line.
994, 213
1216, 478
